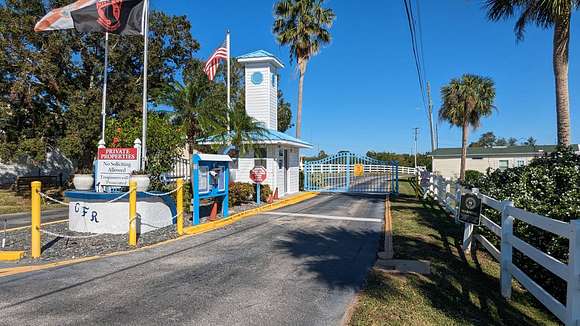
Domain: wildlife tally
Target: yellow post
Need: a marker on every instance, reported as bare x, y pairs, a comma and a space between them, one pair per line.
35, 223
179, 200
133, 213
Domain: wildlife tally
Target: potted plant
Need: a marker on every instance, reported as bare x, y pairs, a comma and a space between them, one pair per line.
83, 179
142, 179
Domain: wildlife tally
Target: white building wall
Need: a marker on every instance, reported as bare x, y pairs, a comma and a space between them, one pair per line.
273, 82
280, 170
275, 174
246, 164
258, 97
449, 167
55, 164
294, 171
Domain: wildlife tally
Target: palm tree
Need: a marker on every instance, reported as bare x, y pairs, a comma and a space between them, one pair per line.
545, 14
304, 25
190, 102
243, 133
465, 102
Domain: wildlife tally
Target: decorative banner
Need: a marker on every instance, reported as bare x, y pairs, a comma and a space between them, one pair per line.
258, 174
470, 209
115, 165
359, 170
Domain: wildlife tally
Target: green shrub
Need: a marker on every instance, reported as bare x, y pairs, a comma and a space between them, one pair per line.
240, 193
301, 180
549, 186
472, 177
265, 192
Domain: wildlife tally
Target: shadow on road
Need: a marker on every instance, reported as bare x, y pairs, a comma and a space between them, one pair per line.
337, 257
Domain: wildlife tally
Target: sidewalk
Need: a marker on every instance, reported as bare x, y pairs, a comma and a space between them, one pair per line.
461, 290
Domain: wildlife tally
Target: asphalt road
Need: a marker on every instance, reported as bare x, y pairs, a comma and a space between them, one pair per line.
264, 270
23, 219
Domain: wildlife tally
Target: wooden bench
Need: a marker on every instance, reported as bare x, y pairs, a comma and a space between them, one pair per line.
22, 184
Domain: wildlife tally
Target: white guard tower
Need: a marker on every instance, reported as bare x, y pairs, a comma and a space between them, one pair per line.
278, 152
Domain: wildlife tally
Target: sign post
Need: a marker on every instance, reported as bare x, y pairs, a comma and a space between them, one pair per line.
470, 214
258, 175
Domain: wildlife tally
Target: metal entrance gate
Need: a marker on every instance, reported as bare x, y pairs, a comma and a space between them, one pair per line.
348, 172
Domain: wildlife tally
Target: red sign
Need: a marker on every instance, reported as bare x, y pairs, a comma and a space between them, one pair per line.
118, 154
258, 174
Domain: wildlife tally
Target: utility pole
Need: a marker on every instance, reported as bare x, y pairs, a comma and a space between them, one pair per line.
416, 130
430, 112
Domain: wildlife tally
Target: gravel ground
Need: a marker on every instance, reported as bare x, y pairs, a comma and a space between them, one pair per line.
58, 248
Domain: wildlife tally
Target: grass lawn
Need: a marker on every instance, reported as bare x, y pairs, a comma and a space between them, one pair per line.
460, 291
11, 203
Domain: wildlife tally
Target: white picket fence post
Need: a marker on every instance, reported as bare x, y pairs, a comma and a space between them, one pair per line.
506, 251
457, 201
573, 292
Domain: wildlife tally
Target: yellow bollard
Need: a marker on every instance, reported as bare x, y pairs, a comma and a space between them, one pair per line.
179, 200
133, 213
35, 223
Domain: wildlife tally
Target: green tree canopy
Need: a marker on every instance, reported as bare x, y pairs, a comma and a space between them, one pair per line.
51, 82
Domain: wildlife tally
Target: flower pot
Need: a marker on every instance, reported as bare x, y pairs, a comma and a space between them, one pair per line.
142, 181
83, 181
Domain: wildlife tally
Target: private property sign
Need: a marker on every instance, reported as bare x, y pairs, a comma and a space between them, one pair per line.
258, 174
115, 165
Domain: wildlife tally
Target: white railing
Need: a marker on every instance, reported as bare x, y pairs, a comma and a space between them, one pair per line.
181, 169
441, 190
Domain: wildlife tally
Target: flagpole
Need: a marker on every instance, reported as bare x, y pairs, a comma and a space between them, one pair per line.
105, 80
229, 78
145, 63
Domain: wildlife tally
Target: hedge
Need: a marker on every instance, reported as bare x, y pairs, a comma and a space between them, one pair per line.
549, 186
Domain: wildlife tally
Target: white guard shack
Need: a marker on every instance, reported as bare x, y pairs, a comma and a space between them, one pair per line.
278, 152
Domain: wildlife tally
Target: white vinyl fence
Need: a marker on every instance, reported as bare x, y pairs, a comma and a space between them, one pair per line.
448, 194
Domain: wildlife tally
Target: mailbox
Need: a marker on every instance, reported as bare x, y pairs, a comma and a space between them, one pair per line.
210, 179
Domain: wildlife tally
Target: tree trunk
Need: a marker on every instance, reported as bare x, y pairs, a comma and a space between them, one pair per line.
560, 61
464, 150
302, 66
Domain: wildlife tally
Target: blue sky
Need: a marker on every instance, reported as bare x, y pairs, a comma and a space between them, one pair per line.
361, 92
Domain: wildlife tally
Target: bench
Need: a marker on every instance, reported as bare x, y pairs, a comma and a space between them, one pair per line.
22, 184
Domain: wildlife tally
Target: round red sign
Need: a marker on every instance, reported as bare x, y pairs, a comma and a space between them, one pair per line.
258, 174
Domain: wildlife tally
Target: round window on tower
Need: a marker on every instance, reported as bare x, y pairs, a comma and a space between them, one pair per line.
257, 78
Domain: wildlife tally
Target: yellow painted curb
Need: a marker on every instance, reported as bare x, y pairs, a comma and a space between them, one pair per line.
202, 228
11, 255
194, 230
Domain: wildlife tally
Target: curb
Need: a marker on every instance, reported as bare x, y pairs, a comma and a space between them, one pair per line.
239, 216
11, 255
190, 231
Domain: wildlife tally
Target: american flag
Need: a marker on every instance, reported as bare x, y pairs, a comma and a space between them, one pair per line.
212, 64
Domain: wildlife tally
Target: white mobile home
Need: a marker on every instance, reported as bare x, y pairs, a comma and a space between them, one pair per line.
447, 161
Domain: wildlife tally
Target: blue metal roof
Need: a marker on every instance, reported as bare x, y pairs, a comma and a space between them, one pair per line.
258, 54
267, 137
277, 135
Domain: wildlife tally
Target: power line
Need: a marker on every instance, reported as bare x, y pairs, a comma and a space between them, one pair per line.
417, 53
